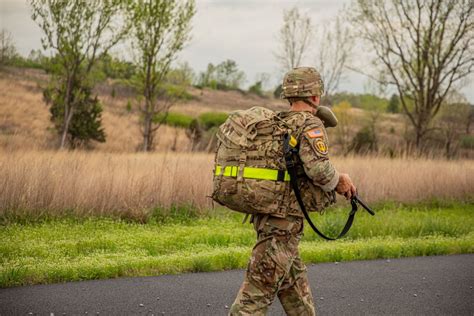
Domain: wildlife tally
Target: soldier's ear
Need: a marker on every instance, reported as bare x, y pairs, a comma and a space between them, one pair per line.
316, 99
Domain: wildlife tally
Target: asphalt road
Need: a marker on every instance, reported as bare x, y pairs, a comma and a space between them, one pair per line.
414, 286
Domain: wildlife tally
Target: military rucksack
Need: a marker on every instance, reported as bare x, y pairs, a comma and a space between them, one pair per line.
250, 170
255, 156
250, 174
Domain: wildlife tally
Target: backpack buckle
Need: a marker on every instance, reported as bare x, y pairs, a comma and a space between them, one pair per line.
281, 175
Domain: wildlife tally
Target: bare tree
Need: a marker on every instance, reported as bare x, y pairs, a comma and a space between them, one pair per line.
423, 47
160, 28
345, 122
470, 119
78, 32
7, 47
452, 120
293, 39
333, 50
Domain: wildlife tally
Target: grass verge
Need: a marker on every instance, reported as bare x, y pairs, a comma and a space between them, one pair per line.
69, 249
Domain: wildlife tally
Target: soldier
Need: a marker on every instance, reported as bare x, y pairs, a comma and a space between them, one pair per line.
275, 267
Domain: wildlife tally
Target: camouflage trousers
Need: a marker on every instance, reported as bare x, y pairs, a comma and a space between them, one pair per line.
275, 269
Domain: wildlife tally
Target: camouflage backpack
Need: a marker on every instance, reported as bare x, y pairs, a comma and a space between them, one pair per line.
249, 173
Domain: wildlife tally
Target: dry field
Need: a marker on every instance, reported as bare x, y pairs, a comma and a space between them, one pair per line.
25, 119
131, 185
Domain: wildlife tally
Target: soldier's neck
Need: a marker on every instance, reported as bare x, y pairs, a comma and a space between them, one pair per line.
301, 106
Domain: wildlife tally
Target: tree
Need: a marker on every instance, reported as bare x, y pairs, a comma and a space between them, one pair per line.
207, 78
195, 133
7, 47
277, 92
86, 124
393, 104
182, 75
225, 75
423, 48
37, 59
333, 50
372, 115
160, 28
228, 75
78, 32
256, 88
261, 82
293, 39
345, 120
470, 119
115, 68
451, 122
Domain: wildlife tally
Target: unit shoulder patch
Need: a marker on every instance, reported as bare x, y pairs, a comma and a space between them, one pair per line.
320, 146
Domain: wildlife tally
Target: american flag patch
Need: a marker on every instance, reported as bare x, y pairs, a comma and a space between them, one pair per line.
314, 133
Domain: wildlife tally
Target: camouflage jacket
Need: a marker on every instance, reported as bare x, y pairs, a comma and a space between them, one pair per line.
317, 175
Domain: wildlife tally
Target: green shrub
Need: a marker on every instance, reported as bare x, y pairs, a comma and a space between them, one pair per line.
256, 89
177, 92
467, 142
278, 91
22, 62
128, 107
174, 119
212, 119
364, 141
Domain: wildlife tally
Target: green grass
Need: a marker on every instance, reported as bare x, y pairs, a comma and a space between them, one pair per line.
57, 250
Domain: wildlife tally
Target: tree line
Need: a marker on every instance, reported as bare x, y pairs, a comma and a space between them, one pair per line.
421, 49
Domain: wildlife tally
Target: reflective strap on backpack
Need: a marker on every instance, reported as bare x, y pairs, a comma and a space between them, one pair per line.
253, 173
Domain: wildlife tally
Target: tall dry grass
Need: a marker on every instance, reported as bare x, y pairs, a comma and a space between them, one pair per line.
91, 183
130, 185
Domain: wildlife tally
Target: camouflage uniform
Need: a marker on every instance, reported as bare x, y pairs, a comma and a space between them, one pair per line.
275, 267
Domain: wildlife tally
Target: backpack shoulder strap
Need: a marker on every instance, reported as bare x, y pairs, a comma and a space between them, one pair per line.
290, 150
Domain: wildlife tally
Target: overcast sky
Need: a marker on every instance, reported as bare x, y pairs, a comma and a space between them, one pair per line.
242, 30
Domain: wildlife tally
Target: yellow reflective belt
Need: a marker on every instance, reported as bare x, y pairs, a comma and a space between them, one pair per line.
252, 173
229, 171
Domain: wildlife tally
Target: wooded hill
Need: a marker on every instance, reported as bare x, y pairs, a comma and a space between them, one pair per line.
365, 125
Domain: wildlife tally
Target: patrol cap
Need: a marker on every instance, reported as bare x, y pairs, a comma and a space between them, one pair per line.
302, 82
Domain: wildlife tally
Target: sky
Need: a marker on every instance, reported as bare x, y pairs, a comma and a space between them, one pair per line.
242, 30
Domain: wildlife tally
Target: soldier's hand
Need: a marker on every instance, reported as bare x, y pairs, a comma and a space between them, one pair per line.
345, 186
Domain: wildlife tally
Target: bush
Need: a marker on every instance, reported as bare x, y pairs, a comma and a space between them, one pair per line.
467, 142
212, 119
278, 91
257, 89
86, 124
364, 141
115, 68
393, 104
177, 92
174, 119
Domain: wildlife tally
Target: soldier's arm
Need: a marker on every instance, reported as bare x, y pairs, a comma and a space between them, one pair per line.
314, 153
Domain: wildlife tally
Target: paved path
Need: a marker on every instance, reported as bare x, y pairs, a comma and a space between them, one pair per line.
425, 285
